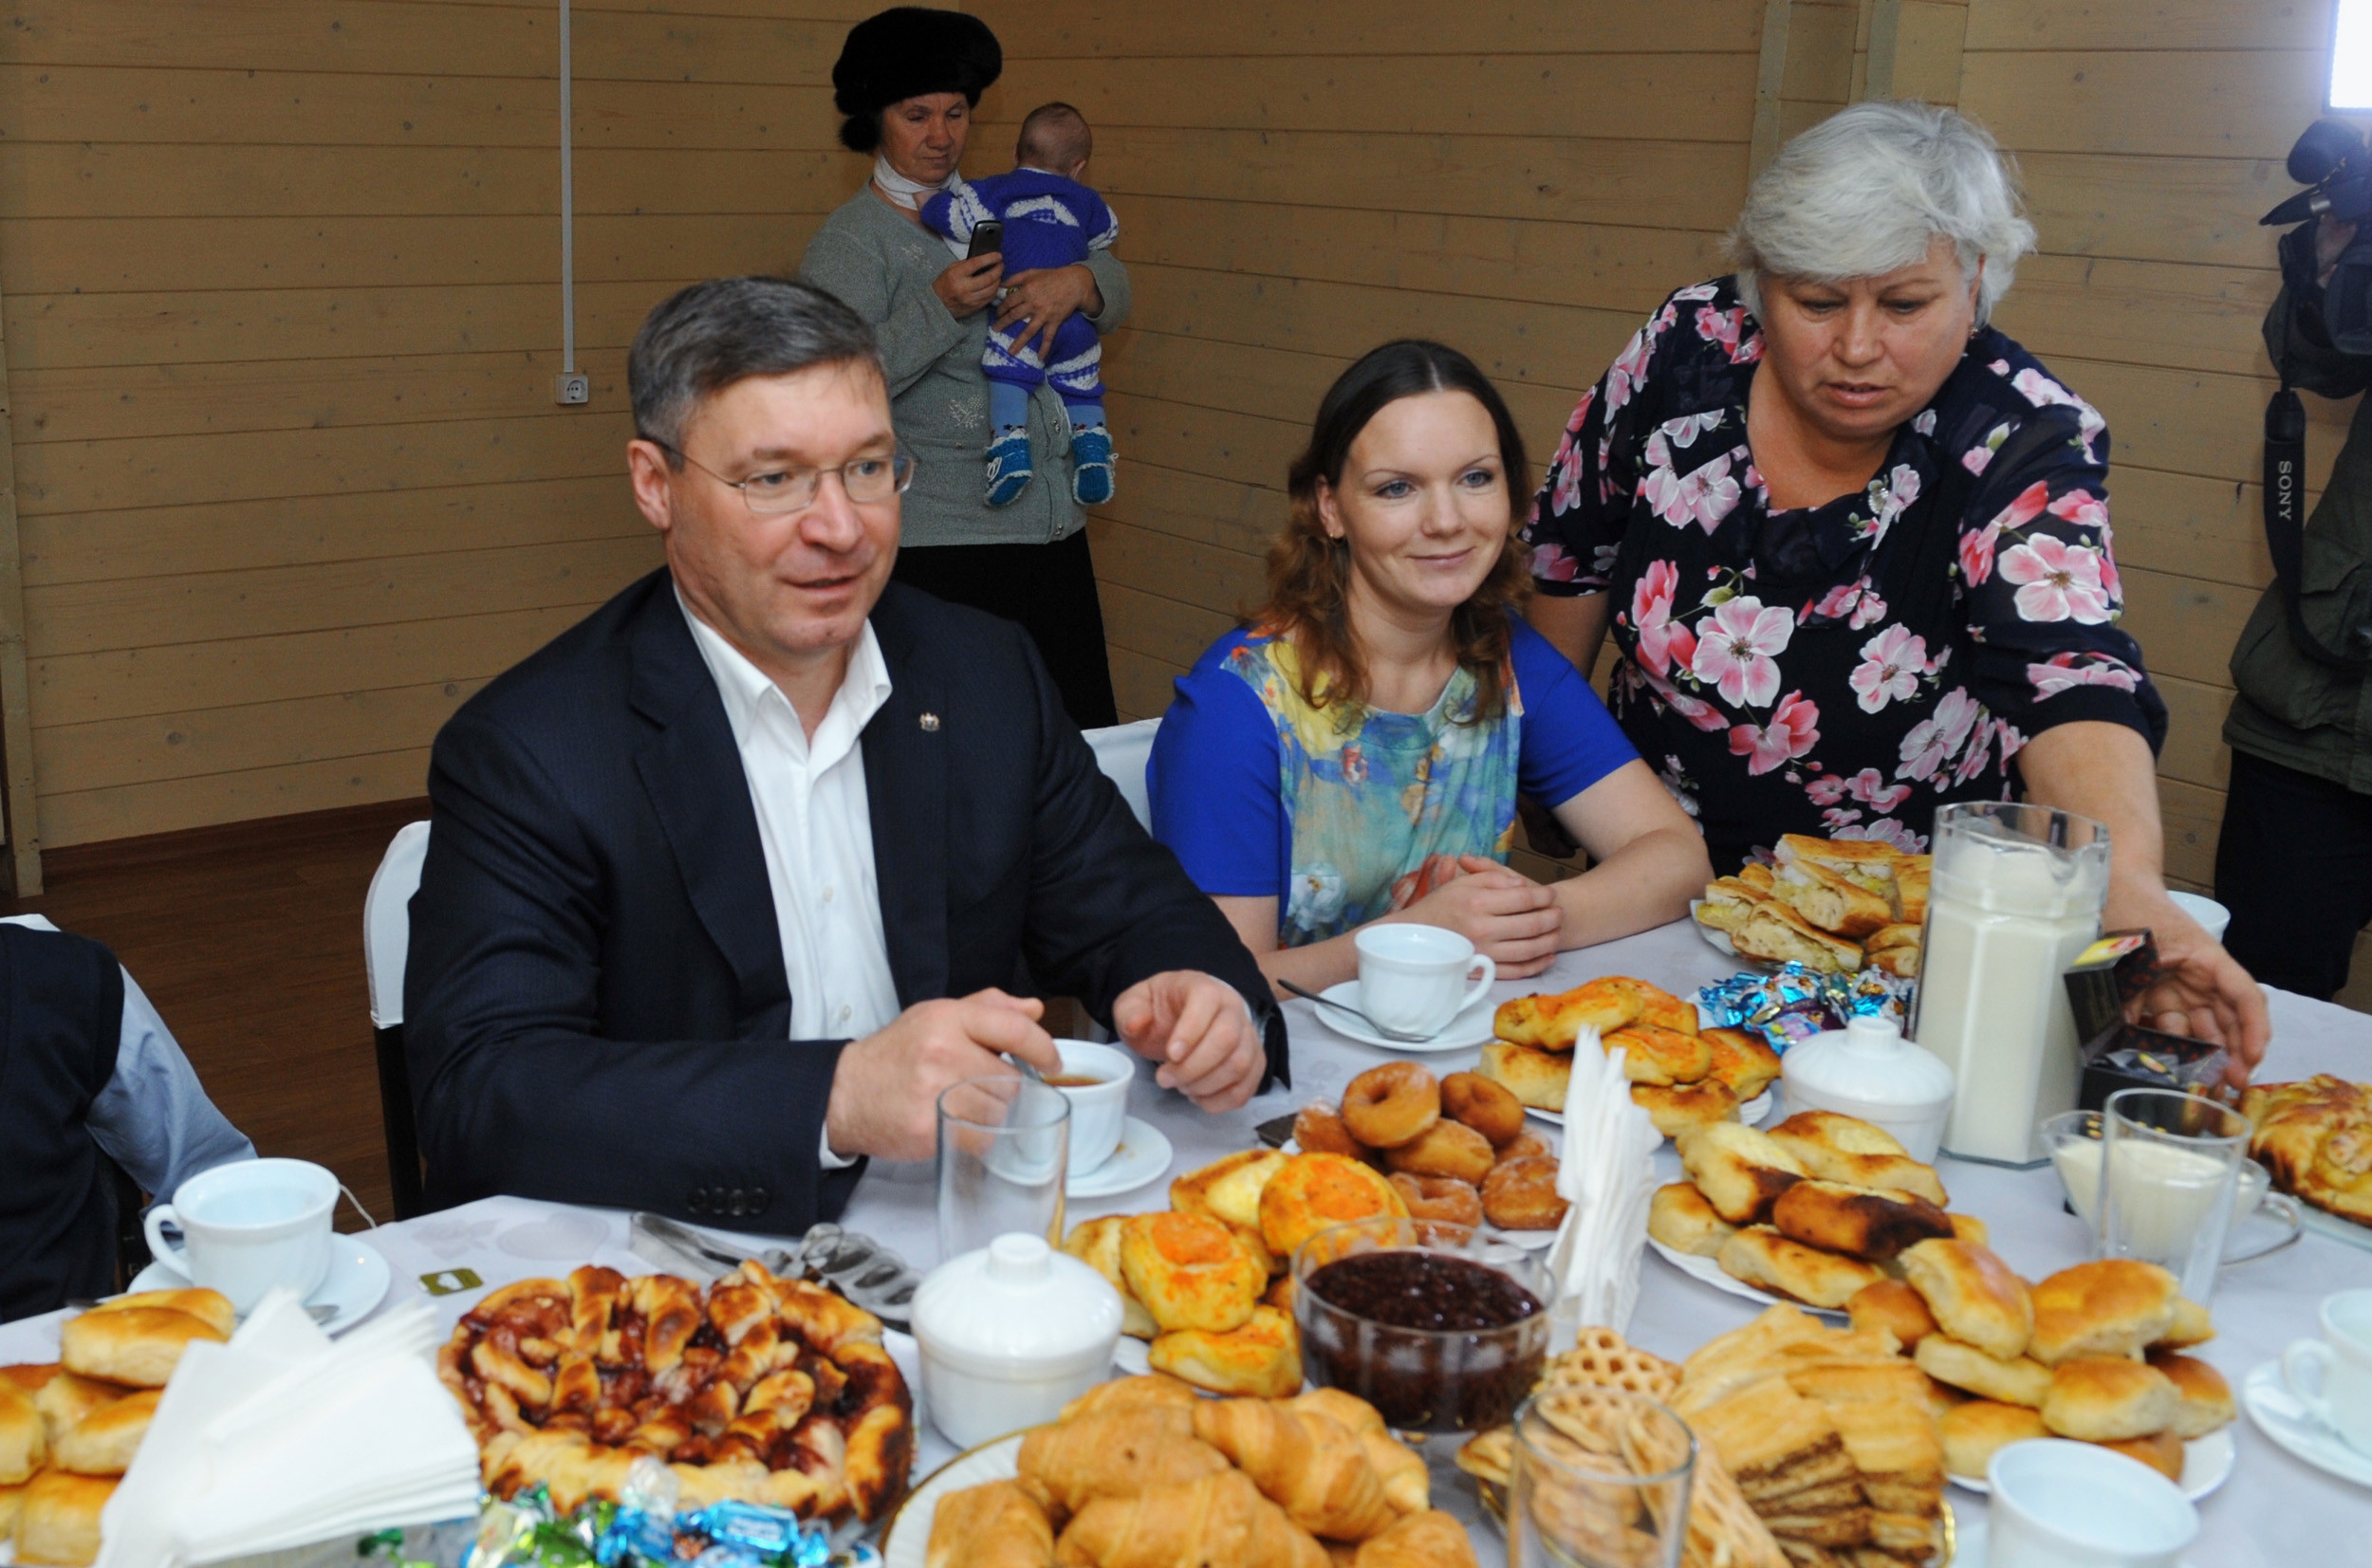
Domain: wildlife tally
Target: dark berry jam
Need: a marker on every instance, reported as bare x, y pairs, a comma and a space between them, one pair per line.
1426, 1290
1435, 1341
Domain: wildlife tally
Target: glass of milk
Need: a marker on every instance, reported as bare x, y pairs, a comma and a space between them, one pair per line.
2169, 1164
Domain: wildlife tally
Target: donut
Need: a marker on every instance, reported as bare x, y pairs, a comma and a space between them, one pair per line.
1489, 1108
1522, 1195
1320, 1130
1387, 1106
1439, 1198
1528, 1146
1447, 1149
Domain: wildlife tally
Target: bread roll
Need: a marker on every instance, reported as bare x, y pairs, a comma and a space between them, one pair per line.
1856, 1221
2207, 1402
65, 1399
1681, 1219
1260, 1360
103, 1443
2019, 1381
1553, 1023
135, 1345
1227, 1190
1097, 1243
1537, 1078
1740, 1172
2115, 1306
1189, 1271
2103, 1399
24, 1444
1968, 1228
1835, 1147
1761, 1256
12, 1500
2162, 1452
1678, 1107
211, 1307
58, 1518
1741, 1063
2192, 1325
1659, 1056
1314, 1192
1892, 1305
1972, 1294
1972, 1432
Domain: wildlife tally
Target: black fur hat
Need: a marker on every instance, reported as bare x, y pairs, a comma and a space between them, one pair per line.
904, 52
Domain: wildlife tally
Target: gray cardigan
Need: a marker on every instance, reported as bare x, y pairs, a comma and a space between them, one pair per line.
883, 265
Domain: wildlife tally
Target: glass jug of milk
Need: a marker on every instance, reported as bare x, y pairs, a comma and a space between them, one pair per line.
2015, 894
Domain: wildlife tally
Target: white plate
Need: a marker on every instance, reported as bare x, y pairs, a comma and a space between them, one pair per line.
356, 1281
2279, 1416
1752, 1112
1716, 1276
1469, 1029
907, 1540
1530, 1241
2207, 1464
1144, 1155
1717, 940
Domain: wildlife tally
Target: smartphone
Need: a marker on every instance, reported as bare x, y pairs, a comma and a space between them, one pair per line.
987, 239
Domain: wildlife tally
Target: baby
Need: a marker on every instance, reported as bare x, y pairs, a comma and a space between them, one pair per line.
1051, 220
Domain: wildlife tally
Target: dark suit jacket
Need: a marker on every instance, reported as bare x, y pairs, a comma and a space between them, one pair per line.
595, 1007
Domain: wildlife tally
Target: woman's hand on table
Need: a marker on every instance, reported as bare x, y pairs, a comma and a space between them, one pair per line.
2205, 994
1201, 1032
969, 284
886, 1092
1038, 301
1505, 914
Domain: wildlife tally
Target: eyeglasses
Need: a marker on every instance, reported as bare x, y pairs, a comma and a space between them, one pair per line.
867, 480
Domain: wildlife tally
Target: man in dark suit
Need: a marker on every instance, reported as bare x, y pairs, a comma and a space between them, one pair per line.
725, 883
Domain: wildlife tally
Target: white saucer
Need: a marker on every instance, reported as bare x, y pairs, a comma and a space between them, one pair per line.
1717, 940
2207, 1464
2279, 1416
356, 1281
1469, 1030
1144, 1155
1714, 1275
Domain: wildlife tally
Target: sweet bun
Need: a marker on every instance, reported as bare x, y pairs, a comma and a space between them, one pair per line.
2162, 1452
1097, 1243
64, 1399
24, 1442
1227, 1190
2192, 1326
1972, 1433
1741, 1063
1522, 1195
1320, 1129
1740, 1172
2114, 1306
1761, 1256
1260, 1360
103, 1443
1889, 1304
1439, 1198
30, 1378
1972, 1296
1660, 1056
1445, 1149
1537, 1078
2106, 1399
1678, 1107
11, 1498
135, 1345
1660, 1007
1489, 1108
1553, 1023
2021, 1380
1189, 1272
1855, 1221
1835, 1147
1314, 1191
1680, 1217
57, 1518
1968, 1228
1395, 1103
211, 1307
1808, 1132
2207, 1402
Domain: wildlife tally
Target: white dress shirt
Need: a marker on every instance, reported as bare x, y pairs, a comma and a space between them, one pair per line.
814, 826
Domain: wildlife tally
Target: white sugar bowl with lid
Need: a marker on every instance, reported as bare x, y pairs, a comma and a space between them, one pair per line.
1009, 1335
1869, 1070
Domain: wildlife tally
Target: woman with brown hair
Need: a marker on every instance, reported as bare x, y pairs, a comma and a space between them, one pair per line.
1353, 753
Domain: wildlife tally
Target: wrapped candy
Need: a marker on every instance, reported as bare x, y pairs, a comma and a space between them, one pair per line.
1794, 1004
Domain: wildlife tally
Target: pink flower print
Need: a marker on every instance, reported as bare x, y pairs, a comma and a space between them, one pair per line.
1925, 423
1891, 663
1651, 612
1702, 715
1720, 326
1827, 790
1974, 762
1581, 412
2057, 580
2027, 505
1871, 610
1835, 818
1977, 459
2043, 391
1976, 553
2063, 673
1629, 370
1837, 602
1748, 350
2080, 507
2011, 742
1931, 741
1565, 492
1602, 559
1736, 654
1870, 788
1886, 830
1696, 291
1793, 730
1703, 497
1552, 565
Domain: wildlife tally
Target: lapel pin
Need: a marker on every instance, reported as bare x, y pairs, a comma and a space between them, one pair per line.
931, 722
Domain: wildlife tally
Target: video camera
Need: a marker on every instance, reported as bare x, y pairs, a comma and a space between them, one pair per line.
2333, 163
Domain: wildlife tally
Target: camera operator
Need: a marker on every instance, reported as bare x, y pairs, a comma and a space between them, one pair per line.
2294, 862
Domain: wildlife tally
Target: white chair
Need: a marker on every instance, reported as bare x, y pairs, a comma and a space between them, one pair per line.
1123, 753
386, 939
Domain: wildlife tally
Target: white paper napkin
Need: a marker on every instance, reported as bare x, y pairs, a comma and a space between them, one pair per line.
1607, 1174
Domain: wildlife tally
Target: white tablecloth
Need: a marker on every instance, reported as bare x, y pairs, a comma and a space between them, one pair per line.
2276, 1511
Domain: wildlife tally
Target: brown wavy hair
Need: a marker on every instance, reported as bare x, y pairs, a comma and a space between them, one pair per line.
1309, 574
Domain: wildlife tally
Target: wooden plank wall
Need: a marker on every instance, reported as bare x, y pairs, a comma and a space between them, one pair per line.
282, 314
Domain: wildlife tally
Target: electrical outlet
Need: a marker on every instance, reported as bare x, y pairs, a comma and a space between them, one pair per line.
572, 387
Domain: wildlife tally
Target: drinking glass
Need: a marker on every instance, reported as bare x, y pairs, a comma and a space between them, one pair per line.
2169, 1162
1601, 1481
1004, 1154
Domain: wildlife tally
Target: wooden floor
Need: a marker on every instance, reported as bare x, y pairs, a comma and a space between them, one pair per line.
248, 939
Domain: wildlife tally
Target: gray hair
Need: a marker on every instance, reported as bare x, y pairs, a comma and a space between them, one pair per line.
1867, 190
701, 340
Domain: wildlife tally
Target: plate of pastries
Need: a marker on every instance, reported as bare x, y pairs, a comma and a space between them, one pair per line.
1837, 906
2315, 1136
1144, 1469
1455, 1148
69, 1429
752, 1388
1681, 1074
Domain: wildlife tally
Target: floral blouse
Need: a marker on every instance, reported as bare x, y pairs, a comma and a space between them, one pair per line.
1845, 669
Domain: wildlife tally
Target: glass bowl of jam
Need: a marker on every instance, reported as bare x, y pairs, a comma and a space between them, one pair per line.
1440, 1327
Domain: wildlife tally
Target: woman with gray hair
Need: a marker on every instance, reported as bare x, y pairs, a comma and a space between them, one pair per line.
1853, 541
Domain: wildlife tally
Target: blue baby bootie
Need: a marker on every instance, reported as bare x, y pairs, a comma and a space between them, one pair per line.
1092, 455
1009, 472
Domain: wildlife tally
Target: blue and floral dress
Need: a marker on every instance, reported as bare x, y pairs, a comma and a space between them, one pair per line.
1845, 669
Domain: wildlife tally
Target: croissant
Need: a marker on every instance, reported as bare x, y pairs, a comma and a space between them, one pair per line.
1407, 1484
1306, 1464
1119, 1453
1156, 1392
1218, 1522
1429, 1540
998, 1525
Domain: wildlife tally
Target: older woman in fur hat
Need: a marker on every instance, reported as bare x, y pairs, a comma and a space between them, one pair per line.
908, 80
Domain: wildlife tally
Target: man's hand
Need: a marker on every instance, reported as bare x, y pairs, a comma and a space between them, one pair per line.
969, 284
1504, 912
1038, 301
2205, 994
1201, 1032
886, 1092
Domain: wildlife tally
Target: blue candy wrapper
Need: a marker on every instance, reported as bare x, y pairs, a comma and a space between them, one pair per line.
1794, 1004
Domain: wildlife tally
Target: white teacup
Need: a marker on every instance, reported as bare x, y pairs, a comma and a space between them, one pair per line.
2332, 1377
248, 1225
1414, 979
1098, 1109
2061, 1504
2212, 917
